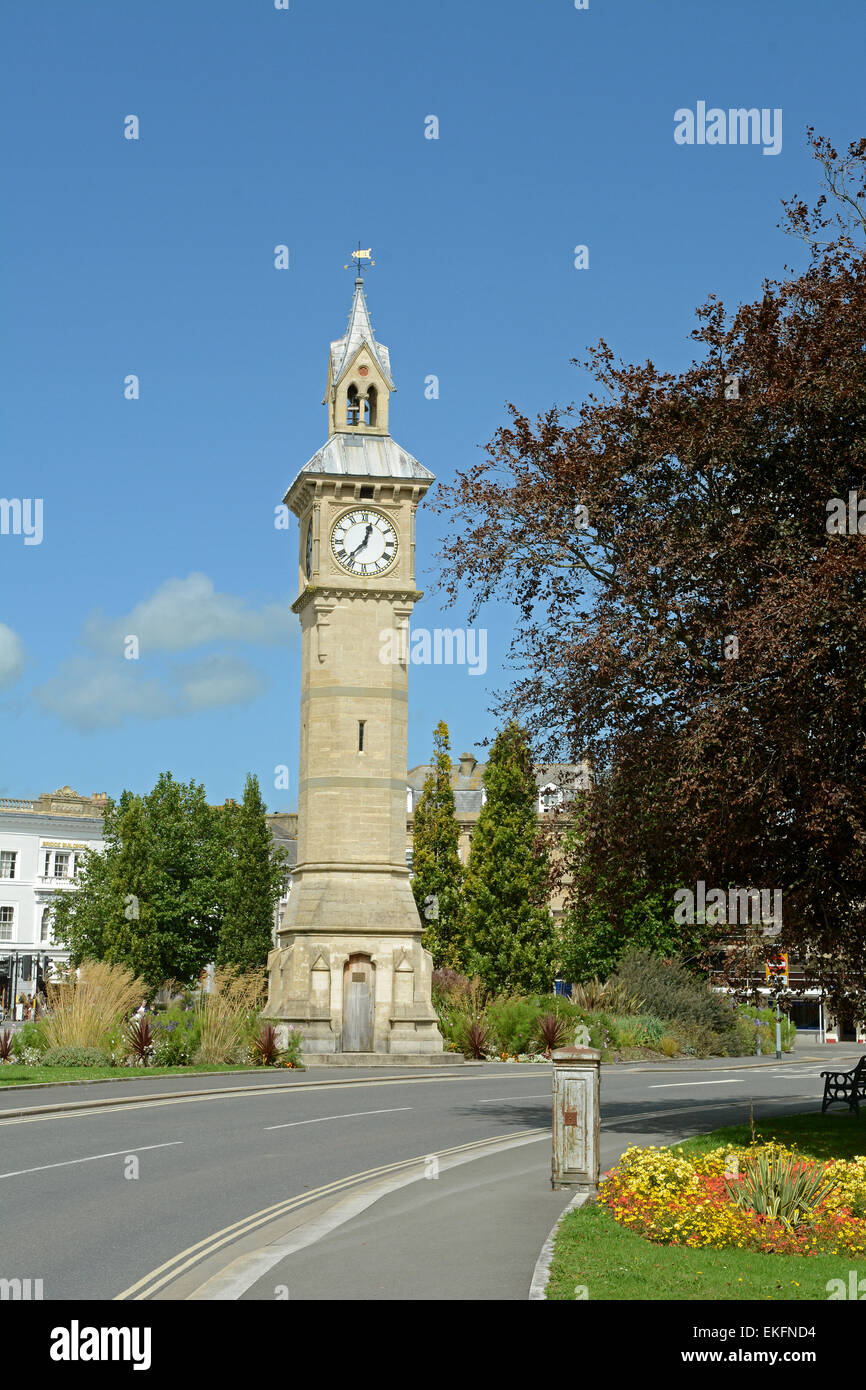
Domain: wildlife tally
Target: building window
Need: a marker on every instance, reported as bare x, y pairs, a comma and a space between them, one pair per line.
549, 797
353, 405
61, 863
8, 860
409, 800
361, 723
410, 860
370, 406
45, 926
7, 922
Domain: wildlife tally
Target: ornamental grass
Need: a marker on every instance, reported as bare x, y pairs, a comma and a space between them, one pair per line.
705, 1201
90, 1004
226, 1016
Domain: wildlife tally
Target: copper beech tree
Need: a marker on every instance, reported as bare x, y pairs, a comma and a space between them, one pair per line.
692, 599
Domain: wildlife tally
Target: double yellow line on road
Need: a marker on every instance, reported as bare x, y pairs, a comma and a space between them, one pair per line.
165, 1273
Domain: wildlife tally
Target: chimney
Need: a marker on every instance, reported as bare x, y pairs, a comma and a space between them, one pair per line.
467, 764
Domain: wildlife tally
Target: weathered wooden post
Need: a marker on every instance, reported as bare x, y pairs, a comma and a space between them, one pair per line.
576, 1092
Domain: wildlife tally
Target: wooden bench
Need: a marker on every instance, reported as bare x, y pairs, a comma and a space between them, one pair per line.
846, 1086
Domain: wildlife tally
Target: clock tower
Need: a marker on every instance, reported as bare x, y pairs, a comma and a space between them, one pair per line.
349, 969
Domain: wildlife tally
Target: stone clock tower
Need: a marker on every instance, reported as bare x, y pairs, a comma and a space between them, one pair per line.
349, 970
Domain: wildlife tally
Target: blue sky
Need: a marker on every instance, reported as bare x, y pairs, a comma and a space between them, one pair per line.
306, 127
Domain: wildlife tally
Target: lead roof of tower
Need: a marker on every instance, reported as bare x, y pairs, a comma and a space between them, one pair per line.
359, 330
366, 456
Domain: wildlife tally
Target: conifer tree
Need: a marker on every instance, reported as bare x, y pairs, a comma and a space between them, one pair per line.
254, 877
509, 927
437, 880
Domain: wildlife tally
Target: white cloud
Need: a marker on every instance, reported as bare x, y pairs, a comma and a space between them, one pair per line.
219, 680
11, 656
104, 695
94, 693
184, 613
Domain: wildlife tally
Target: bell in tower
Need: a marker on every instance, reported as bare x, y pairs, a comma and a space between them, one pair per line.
349, 969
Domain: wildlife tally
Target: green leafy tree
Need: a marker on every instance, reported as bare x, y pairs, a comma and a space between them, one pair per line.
254, 880
509, 928
606, 919
153, 898
436, 868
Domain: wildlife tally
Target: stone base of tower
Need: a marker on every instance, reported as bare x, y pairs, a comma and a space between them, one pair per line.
349, 971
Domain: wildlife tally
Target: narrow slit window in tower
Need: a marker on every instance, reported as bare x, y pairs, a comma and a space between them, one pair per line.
370, 407
361, 723
352, 405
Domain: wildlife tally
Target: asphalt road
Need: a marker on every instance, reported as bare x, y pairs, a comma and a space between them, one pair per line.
140, 1199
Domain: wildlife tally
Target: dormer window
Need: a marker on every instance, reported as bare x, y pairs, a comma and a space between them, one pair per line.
370, 406
353, 405
549, 797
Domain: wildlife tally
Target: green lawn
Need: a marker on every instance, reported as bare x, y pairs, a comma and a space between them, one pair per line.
593, 1253
838, 1134
18, 1076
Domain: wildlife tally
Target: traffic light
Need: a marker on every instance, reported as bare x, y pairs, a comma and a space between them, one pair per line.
26, 967
6, 966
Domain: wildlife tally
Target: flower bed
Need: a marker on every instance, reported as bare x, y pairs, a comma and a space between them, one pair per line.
675, 1199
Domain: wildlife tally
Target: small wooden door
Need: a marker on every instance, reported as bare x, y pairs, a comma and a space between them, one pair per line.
358, 991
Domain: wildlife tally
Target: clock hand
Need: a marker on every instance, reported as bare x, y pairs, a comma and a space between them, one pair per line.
367, 534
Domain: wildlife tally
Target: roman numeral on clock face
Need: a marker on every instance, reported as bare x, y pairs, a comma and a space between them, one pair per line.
364, 542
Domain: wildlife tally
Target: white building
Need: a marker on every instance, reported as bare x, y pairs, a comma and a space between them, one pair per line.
42, 843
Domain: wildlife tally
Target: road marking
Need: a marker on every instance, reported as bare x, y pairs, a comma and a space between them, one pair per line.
235, 1278
73, 1109
194, 1254
672, 1085
351, 1116
497, 1100
91, 1158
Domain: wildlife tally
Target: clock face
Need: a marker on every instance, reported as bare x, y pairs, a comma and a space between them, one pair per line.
364, 542
309, 554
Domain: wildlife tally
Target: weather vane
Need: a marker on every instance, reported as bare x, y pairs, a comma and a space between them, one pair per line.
361, 256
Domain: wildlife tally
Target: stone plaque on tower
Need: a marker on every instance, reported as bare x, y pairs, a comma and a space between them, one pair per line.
349, 969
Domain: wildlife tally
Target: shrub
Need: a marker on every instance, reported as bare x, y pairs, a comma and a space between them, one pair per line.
459, 1001
175, 1037
71, 1056
265, 1049
84, 1010
602, 1029
291, 1053
6, 1052
668, 1046
641, 1030
749, 1017
139, 1041
554, 1032
474, 1039
513, 1024
670, 991
695, 1040
780, 1188
613, 996
30, 1035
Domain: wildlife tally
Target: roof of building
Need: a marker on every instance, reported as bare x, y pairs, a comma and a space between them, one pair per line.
52, 827
366, 456
467, 780
359, 330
